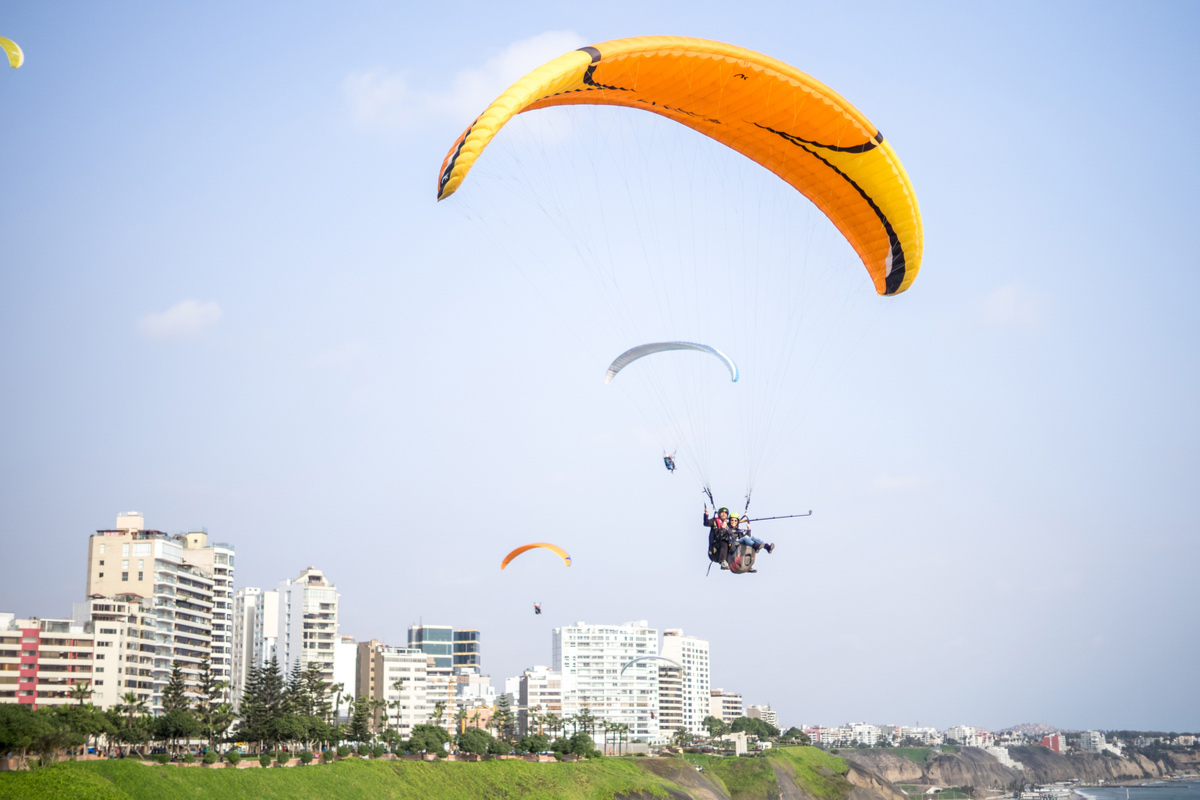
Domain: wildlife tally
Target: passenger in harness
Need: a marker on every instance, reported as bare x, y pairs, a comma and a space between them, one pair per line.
669, 463
747, 547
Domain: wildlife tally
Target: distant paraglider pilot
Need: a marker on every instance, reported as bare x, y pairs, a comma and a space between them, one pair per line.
669, 463
537, 608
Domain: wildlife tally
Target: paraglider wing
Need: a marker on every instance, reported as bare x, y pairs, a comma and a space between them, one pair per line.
643, 350
651, 658
772, 113
15, 57
551, 547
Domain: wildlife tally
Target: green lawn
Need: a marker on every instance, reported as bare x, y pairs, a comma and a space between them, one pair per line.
351, 780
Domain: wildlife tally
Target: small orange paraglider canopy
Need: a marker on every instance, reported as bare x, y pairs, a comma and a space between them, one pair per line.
551, 547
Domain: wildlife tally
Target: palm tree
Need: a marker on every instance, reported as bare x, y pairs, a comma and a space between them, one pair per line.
337, 689
439, 708
80, 692
553, 722
461, 719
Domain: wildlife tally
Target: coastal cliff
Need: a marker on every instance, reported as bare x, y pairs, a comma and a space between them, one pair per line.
974, 767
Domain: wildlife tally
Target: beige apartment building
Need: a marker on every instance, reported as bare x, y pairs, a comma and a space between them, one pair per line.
397, 676
182, 587
41, 660
725, 706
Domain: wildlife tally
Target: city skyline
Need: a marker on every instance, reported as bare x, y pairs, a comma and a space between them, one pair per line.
229, 298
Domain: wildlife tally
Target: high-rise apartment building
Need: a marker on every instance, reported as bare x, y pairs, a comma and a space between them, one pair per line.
434, 640
539, 694
255, 631
345, 665
725, 706
467, 648
42, 660
692, 654
597, 674
127, 646
670, 699
308, 623
401, 684
184, 578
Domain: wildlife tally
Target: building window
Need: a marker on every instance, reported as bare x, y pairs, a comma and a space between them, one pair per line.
125, 550
101, 574
124, 576
139, 576
125, 564
102, 562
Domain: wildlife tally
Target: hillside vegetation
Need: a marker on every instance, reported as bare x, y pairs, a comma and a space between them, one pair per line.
819, 775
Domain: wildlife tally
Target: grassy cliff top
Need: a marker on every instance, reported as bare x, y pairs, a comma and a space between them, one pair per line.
817, 773
352, 779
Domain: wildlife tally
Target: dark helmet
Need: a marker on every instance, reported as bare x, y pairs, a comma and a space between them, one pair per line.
722, 508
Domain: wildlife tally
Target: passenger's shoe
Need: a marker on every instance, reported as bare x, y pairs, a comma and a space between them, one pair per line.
770, 548
724, 565
751, 570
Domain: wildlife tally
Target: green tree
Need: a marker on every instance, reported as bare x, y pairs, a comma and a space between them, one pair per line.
428, 738
715, 727
20, 730
212, 710
174, 696
798, 736
681, 737
533, 743
474, 740
755, 726
582, 744
360, 723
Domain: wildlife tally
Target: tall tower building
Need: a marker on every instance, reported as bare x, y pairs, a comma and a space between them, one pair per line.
184, 578
308, 622
467, 648
590, 659
434, 640
255, 629
692, 654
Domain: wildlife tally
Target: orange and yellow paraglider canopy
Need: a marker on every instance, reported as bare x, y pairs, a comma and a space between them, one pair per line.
551, 547
772, 113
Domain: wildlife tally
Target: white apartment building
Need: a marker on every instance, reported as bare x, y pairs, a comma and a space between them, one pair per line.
1094, 742
692, 653
725, 706
42, 660
178, 574
863, 733
590, 659
968, 736
127, 643
403, 687
930, 737
308, 622
539, 693
255, 631
345, 666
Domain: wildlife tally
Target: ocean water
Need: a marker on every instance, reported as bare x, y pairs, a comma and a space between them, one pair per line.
1158, 791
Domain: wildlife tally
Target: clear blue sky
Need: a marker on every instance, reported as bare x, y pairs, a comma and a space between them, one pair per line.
228, 298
